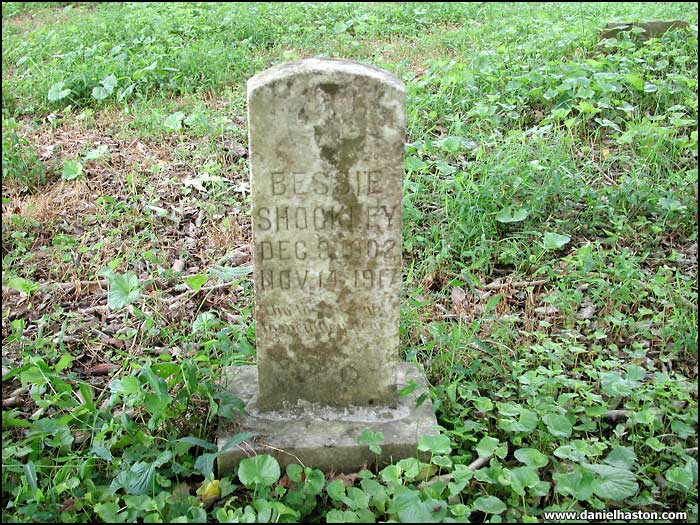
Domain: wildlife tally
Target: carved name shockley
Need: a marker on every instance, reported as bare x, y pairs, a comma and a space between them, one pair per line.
354, 218
351, 217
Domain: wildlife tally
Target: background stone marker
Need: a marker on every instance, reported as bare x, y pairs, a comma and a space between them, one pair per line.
651, 29
327, 165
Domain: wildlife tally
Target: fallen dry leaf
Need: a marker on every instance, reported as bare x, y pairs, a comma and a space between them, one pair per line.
546, 310
586, 312
209, 491
68, 505
459, 300
178, 265
101, 369
347, 479
286, 482
11, 402
234, 149
115, 342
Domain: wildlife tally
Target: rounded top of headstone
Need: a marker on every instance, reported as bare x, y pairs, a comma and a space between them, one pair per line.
328, 66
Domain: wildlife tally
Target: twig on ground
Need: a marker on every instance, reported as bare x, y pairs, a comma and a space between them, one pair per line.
479, 462
474, 465
66, 287
614, 415
283, 452
513, 284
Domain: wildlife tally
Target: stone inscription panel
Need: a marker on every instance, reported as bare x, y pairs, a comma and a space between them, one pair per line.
326, 149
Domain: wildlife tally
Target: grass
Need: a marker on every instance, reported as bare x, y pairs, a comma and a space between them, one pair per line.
550, 258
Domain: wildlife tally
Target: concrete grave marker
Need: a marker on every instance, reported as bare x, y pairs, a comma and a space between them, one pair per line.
327, 166
327, 176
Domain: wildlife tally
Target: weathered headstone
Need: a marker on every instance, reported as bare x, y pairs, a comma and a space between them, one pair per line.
327, 177
326, 152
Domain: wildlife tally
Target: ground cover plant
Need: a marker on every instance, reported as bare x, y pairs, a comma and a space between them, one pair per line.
550, 259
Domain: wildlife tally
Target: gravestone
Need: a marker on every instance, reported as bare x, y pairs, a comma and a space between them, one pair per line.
326, 142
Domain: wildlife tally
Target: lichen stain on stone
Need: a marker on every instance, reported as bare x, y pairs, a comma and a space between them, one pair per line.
337, 147
343, 154
329, 87
292, 379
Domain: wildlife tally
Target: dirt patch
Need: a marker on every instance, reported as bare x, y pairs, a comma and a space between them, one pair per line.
229, 231
397, 50
134, 208
71, 140
64, 199
56, 14
136, 198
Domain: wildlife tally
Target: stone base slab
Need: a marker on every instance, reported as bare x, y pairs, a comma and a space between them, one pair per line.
324, 437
